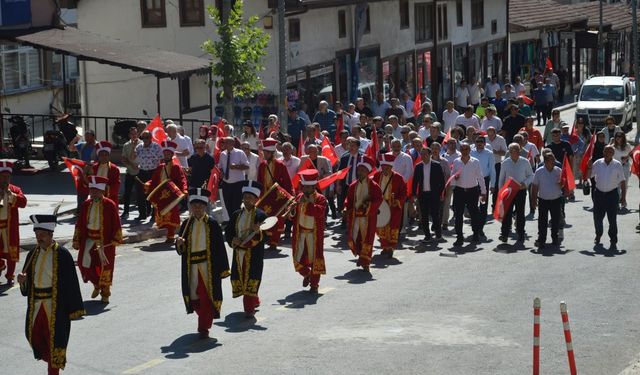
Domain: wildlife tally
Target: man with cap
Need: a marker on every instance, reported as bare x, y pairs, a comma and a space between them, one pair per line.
361, 212
168, 170
50, 283
243, 234
11, 198
394, 192
105, 168
204, 262
97, 233
272, 171
308, 218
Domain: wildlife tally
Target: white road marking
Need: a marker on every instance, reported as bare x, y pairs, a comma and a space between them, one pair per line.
145, 366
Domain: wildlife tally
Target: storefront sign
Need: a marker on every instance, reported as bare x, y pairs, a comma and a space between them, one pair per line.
321, 71
291, 79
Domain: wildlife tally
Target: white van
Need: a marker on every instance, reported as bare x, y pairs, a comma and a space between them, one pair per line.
601, 97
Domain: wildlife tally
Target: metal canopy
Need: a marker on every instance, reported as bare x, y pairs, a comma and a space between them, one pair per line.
88, 46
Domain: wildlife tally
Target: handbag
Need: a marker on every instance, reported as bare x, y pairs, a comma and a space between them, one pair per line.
586, 188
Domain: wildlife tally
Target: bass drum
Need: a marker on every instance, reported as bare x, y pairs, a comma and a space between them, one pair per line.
384, 215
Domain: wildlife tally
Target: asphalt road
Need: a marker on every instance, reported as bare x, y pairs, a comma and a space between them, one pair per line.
428, 311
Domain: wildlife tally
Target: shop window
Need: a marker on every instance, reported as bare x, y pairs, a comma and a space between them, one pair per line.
153, 13
71, 64
442, 21
191, 12
404, 14
20, 68
424, 22
367, 27
459, 20
342, 24
477, 14
294, 29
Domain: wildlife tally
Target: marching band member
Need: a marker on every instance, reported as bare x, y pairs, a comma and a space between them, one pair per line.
243, 234
50, 283
270, 171
96, 236
308, 219
167, 170
394, 192
361, 212
11, 198
204, 262
104, 168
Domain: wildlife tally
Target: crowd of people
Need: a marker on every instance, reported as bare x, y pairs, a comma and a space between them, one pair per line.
370, 167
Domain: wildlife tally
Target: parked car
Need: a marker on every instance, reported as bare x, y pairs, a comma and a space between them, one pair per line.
605, 96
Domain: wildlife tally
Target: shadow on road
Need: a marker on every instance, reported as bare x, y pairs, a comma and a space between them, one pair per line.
505, 248
95, 307
274, 254
549, 251
157, 246
187, 344
599, 249
357, 276
4, 288
381, 261
237, 322
299, 300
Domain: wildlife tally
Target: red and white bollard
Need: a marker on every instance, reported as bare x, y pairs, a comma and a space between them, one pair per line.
536, 336
567, 337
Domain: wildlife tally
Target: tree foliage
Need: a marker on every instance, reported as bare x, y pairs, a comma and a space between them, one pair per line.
239, 53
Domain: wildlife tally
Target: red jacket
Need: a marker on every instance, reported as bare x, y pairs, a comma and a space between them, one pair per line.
280, 175
113, 187
12, 224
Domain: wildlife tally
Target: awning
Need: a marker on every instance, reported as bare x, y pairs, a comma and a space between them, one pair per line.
88, 46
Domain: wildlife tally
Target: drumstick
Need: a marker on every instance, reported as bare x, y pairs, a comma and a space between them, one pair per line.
184, 230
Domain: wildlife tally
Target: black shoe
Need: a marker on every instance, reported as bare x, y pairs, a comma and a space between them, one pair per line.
475, 238
124, 216
427, 239
481, 234
458, 242
503, 238
539, 244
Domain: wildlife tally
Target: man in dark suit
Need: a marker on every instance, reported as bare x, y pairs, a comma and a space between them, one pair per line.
428, 185
349, 159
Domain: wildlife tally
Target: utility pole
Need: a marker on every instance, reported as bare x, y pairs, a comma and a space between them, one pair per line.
600, 44
282, 63
634, 53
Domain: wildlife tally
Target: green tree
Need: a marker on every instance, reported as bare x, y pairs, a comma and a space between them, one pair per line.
238, 56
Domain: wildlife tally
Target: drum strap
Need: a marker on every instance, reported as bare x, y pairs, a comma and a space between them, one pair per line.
387, 185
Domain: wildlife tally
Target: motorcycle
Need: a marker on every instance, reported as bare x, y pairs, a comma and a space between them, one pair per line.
21, 141
55, 145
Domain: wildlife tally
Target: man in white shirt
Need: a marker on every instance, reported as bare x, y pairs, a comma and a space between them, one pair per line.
485, 157
291, 162
342, 147
475, 92
518, 86
469, 186
609, 176
547, 188
403, 164
491, 87
519, 169
499, 148
233, 164
449, 117
254, 161
357, 134
491, 119
395, 124
462, 95
468, 118
424, 130
182, 151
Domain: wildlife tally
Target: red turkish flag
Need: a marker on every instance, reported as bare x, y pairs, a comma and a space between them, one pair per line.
505, 197
295, 180
448, 183
76, 167
212, 184
157, 130
588, 153
340, 128
548, 64
372, 150
635, 161
328, 151
567, 178
527, 100
330, 179
417, 105
446, 138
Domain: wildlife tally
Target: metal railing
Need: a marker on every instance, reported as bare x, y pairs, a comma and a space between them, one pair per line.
103, 126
